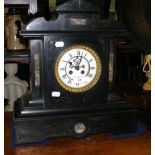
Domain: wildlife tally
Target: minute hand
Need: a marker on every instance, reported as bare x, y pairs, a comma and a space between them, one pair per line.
78, 63
80, 58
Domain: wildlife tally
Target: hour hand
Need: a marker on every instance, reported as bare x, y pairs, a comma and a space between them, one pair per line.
82, 66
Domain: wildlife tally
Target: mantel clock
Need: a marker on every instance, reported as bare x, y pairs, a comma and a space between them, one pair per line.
72, 77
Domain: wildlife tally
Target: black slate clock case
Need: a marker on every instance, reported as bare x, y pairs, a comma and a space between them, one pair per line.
38, 115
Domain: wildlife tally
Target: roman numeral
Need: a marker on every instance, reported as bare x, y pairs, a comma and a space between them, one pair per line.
77, 84
70, 81
64, 76
90, 75
70, 55
85, 55
78, 52
92, 68
90, 60
64, 61
62, 69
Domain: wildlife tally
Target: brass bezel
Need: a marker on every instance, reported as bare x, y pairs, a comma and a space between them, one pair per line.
92, 83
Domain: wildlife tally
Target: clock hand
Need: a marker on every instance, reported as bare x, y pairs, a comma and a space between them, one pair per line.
80, 59
71, 65
82, 66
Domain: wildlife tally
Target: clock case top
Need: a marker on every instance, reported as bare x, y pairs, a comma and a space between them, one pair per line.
78, 23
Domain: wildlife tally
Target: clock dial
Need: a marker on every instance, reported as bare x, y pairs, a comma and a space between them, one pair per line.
78, 68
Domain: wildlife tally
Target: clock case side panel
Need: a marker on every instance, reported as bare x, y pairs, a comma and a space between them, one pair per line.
112, 65
36, 94
36, 68
97, 94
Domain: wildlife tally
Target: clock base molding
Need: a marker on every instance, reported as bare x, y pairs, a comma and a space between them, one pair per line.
118, 117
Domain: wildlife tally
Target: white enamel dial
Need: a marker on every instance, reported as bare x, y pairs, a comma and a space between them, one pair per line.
78, 68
